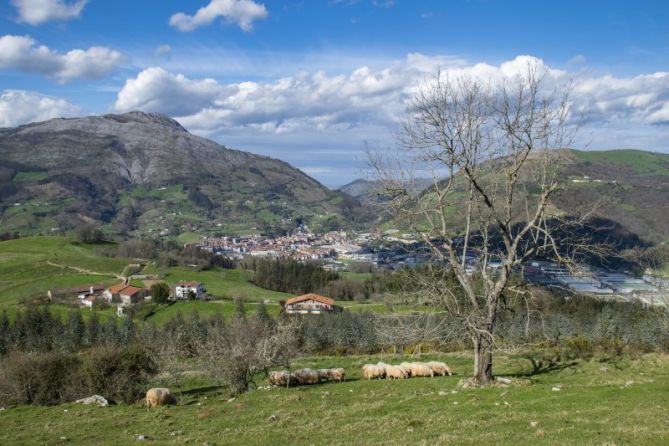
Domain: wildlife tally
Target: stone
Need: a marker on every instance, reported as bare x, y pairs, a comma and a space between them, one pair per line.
95, 399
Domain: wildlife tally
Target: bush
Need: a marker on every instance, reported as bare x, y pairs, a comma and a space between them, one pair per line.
118, 373
39, 378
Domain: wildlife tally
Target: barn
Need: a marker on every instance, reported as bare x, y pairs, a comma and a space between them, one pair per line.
311, 303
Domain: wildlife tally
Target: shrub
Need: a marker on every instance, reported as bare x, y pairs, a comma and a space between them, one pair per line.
118, 373
39, 378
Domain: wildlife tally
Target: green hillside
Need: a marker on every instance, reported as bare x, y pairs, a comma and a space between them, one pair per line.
602, 402
641, 162
31, 266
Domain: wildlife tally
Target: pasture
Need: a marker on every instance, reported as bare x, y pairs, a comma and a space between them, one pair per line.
602, 401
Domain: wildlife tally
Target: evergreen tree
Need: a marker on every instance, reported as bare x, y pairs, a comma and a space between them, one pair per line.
76, 331
240, 309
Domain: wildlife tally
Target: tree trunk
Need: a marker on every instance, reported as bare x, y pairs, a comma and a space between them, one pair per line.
483, 359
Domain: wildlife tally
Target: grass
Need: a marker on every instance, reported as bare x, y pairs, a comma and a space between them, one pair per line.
225, 283
28, 267
600, 402
643, 163
188, 237
41, 263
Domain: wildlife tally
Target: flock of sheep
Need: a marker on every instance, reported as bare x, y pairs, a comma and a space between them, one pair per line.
369, 371
405, 370
161, 396
306, 376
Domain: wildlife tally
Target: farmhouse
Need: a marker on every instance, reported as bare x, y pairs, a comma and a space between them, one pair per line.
131, 295
183, 289
126, 294
310, 304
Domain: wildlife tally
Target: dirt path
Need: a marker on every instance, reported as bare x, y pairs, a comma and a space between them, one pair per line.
84, 271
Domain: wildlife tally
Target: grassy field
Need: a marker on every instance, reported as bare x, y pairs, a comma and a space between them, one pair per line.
644, 163
31, 266
226, 283
600, 403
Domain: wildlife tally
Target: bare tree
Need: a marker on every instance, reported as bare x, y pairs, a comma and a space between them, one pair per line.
241, 349
493, 152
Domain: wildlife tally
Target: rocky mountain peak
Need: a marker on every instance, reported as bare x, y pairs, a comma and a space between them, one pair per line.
145, 118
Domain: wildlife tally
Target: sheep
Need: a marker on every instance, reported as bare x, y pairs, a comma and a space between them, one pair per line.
337, 374
323, 374
281, 378
419, 369
370, 371
395, 372
405, 369
159, 397
306, 376
439, 368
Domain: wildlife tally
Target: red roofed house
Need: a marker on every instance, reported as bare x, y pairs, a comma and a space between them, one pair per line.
310, 304
111, 294
126, 294
131, 295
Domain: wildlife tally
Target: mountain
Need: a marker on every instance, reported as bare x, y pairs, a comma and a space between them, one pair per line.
626, 193
628, 187
367, 191
143, 173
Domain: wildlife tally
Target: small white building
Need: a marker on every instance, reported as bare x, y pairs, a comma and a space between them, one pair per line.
90, 301
183, 289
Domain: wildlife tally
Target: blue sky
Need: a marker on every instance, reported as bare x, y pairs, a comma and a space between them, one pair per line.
310, 81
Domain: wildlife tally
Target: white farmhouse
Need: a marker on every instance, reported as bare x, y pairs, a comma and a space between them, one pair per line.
182, 290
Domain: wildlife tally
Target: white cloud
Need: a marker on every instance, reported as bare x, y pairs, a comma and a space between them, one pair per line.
319, 118
24, 54
639, 99
162, 50
21, 107
240, 12
368, 101
37, 12
154, 89
578, 59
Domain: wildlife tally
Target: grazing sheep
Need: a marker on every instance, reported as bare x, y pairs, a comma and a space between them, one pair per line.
405, 369
419, 369
281, 378
439, 368
159, 397
323, 374
370, 371
337, 374
395, 372
306, 376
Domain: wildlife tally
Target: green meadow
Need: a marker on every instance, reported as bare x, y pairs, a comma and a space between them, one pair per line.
603, 401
